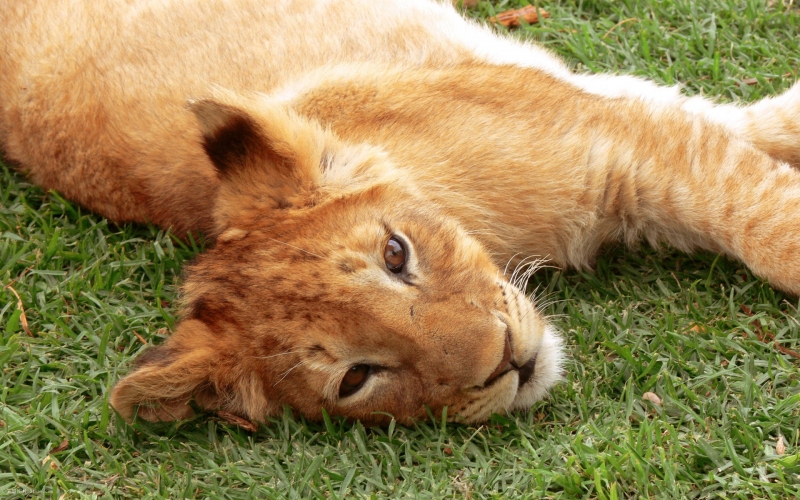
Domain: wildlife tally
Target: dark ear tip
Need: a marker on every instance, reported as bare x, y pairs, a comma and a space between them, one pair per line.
230, 144
229, 133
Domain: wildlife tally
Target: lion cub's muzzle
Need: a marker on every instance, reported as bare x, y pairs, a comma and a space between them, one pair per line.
529, 364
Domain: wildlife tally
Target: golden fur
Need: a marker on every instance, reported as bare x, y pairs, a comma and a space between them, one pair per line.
303, 135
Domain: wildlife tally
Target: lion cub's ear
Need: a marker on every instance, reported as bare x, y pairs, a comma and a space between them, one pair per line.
268, 156
189, 366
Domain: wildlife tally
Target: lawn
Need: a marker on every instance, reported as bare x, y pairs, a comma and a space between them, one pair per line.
689, 329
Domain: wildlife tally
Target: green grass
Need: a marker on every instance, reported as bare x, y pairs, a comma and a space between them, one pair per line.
646, 320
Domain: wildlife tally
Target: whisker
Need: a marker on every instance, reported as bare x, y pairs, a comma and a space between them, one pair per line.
287, 373
544, 305
533, 297
296, 248
532, 267
525, 277
283, 353
481, 231
525, 268
505, 271
542, 299
522, 264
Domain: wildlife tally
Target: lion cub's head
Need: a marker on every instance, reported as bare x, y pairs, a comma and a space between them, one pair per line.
333, 284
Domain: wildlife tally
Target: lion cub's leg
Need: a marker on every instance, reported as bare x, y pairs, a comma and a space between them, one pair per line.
688, 181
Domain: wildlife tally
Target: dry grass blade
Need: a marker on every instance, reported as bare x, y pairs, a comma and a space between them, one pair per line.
630, 19
511, 18
767, 337
23, 319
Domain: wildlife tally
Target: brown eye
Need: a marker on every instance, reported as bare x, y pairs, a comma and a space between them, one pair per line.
394, 254
354, 379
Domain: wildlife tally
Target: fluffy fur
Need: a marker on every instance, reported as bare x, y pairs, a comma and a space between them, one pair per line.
302, 135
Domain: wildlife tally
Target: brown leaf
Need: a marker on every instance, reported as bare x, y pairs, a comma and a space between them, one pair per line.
237, 420
448, 451
511, 18
61, 447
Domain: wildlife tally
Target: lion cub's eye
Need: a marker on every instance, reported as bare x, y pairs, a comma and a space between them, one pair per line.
394, 254
354, 379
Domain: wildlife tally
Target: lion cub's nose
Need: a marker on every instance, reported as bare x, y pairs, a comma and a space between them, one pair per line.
505, 363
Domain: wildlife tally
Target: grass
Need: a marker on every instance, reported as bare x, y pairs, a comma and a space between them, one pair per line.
646, 321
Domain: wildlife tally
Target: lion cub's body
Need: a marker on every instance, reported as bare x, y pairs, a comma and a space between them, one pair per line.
145, 111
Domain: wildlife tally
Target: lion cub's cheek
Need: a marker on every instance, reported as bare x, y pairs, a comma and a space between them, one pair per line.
526, 324
533, 339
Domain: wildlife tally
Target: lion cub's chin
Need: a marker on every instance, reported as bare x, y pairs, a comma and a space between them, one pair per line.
548, 371
519, 389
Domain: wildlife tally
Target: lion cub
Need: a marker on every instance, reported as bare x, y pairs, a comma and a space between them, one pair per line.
368, 169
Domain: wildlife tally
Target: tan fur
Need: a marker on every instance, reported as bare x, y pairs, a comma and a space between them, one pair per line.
304, 134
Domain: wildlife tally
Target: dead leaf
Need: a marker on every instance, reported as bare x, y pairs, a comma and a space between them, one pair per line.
750, 81
61, 447
511, 18
237, 420
652, 397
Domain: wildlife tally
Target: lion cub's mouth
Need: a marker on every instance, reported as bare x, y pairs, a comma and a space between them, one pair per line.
527, 370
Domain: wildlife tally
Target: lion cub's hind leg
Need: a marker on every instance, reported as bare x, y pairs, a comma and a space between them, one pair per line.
771, 124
